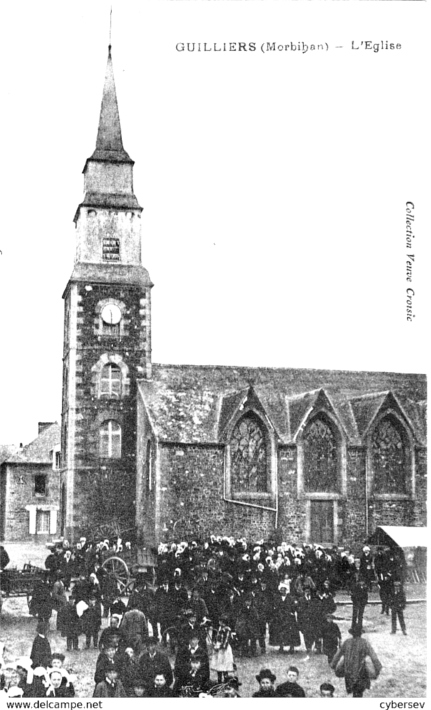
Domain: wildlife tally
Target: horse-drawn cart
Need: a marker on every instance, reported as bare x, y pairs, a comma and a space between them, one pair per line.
125, 566
123, 561
19, 582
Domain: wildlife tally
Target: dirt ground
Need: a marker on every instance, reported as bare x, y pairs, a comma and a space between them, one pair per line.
403, 657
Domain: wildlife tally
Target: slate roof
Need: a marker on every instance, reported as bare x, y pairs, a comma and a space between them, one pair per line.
109, 144
39, 450
193, 404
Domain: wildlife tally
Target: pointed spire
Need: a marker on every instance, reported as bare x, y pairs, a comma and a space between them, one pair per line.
109, 144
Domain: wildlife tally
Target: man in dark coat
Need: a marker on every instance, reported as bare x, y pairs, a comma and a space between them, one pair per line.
354, 651
164, 612
152, 662
134, 627
366, 566
196, 680
108, 659
40, 604
290, 689
41, 650
247, 627
52, 564
264, 603
397, 604
384, 578
112, 635
286, 630
142, 598
331, 637
186, 653
4, 558
91, 621
359, 596
309, 619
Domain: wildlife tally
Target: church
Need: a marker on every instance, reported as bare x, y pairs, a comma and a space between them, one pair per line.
166, 452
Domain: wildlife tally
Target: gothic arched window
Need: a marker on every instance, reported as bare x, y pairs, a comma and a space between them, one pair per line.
110, 381
249, 460
110, 440
321, 456
390, 457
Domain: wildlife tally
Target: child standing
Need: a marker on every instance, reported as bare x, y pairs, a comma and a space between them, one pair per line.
331, 637
222, 656
41, 650
91, 621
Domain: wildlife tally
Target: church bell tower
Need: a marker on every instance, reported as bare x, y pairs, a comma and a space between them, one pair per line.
107, 338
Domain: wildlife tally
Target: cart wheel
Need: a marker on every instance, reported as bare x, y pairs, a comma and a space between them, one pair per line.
118, 569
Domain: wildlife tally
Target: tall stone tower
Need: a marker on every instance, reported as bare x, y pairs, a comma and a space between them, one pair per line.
107, 337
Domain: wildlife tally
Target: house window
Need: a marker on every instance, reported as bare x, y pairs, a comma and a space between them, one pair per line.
110, 381
248, 452
321, 458
390, 457
40, 485
42, 521
57, 459
110, 440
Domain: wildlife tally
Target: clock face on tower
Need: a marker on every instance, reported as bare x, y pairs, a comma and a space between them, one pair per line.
111, 314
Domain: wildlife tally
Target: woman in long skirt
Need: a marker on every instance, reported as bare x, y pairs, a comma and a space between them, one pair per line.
222, 656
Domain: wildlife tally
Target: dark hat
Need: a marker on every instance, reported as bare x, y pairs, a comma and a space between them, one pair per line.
137, 681
58, 656
266, 673
189, 612
355, 631
327, 686
232, 681
42, 627
151, 641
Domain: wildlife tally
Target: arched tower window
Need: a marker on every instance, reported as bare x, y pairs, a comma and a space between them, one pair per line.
321, 456
110, 440
249, 457
390, 457
110, 381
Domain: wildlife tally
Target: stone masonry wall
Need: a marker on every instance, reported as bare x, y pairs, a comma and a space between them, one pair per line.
192, 501
105, 488
21, 492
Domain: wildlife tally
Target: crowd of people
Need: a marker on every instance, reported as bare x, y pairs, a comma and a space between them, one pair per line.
207, 604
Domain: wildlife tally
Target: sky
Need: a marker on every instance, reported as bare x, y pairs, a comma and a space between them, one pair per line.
274, 184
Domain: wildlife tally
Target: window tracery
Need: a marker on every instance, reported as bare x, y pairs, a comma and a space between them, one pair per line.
321, 458
389, 458
249, 455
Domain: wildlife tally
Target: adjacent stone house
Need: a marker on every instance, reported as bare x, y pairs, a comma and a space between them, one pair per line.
30, 488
